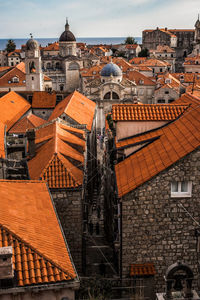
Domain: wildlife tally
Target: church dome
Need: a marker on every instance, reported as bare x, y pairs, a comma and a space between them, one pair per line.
111, 69
32, 45
67, 35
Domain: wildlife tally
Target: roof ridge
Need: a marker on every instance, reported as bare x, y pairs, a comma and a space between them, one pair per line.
35, 250
68, 170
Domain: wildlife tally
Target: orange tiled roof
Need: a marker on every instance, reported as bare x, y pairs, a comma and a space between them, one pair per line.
52, 47
145, 269
164, 48
12, 108
137, 60
174, 141
40, 254
192, 60
47, 78
21, 67
2, 141
138, 77
19, 71
27, 122
77, 107
147, 112
121, 62
2, 69
152, 62
94, 71
14, 53
43, 100
60, 159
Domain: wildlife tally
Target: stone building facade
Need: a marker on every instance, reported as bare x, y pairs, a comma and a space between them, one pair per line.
159, 228
69, 207
178, 39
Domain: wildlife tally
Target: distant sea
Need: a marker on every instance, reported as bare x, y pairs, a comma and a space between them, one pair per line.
89, 41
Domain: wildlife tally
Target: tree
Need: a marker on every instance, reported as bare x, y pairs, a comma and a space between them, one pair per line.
10, 46
130, 40
143, 53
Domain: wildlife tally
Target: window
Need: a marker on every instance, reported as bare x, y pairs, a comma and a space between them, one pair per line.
141, 92
168, 80
161, 70
161, 100
166, 92
32, 78
181, 189
15, 79
141, 81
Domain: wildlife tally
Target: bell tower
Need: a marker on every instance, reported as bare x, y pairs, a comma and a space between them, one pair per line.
34, 75
197, 32
67, 42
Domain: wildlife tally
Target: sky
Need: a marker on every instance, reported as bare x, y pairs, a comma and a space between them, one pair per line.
94, 18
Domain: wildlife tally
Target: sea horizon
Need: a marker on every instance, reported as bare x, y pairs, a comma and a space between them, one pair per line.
88, 40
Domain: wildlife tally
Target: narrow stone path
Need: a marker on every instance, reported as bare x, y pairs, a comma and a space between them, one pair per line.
99, 254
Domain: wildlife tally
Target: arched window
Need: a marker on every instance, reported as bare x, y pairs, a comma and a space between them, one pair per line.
57, 65
48, 65
74, 66
115, 95
107, 95
111, 95
61, 87
32, 67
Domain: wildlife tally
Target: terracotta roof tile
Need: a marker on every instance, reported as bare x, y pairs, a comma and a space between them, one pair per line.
17, 71
147, 112
12, 108
27, 122
169, 146
138, 77
60, 159
44, 100
145, 269
52, 47
40, 254
153, 62
47, 78
21, 67
137, 60
77, 107
2, 141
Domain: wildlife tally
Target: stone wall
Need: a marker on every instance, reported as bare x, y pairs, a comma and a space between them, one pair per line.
69, 209
155, 227
152, 39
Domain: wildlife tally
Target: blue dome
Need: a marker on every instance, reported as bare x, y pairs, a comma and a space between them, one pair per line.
111, 69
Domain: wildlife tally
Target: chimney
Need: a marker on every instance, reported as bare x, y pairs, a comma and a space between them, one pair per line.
165, 28
6, 263
30, 134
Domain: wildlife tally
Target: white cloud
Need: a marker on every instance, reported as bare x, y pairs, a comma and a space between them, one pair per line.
94, 17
